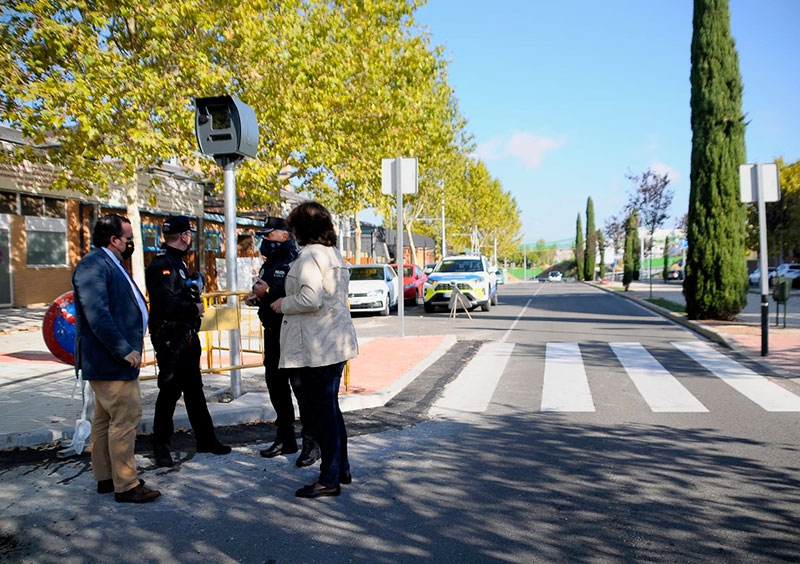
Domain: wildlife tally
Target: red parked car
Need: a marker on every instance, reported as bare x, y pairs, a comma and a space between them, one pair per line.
413, 279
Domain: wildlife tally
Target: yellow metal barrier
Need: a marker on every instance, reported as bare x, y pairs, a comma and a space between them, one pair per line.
219, 318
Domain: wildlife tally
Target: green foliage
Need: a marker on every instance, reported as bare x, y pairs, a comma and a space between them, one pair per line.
336, 86
715, 284
629, 259
590, 255
579, 248
601, 243
783, 217
666, 257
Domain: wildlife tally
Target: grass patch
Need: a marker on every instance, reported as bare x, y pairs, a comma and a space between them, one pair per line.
666, 304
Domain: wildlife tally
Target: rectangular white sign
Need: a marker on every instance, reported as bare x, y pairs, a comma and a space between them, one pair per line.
748, 182
408, 175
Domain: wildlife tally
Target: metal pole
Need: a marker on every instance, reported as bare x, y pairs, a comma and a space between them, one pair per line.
444, 245
762, 263
231, 253
399, 252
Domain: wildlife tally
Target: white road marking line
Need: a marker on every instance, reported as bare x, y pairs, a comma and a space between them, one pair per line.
753, 386
565, 387
660, 389
472, 390
507, 334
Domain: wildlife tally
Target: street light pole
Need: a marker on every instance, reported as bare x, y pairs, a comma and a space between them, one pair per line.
444, 243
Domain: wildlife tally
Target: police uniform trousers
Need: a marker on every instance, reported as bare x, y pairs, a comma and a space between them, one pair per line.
117, 412
179, 373
280, 383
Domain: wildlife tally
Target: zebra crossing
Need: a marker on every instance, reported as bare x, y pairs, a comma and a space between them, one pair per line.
566, 387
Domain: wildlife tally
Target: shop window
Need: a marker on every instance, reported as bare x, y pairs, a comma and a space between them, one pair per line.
213, 240
8, 203
55, 208
46, 241
151, 237
37, 206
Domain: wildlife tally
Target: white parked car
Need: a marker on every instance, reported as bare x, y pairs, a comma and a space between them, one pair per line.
554, 276
373, 288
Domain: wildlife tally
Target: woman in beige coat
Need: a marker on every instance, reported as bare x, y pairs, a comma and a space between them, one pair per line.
318, 337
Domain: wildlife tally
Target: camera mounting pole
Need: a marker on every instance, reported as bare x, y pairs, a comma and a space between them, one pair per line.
227, 129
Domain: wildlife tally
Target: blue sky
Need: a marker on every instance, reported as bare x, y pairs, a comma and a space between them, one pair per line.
565, 98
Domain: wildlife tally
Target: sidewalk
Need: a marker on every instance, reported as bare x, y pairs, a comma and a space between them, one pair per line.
39, 401
742, 334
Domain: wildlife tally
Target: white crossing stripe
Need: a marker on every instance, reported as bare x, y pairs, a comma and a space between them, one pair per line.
660, 389
474, 387
753, 386
565, 387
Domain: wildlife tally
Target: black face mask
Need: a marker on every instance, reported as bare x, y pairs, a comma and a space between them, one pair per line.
128, 252
268, 247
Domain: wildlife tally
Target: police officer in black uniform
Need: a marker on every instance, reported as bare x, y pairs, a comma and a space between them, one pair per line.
175, 311
279, 249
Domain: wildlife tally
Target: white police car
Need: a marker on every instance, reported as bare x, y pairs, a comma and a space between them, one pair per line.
471, 274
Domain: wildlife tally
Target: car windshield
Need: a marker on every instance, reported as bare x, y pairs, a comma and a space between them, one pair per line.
460, 266
408, 271
366, 274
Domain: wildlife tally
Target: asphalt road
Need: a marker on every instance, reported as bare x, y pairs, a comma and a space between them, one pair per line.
492, 463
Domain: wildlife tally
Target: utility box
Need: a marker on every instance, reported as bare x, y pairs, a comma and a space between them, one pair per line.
226, 126
782, 289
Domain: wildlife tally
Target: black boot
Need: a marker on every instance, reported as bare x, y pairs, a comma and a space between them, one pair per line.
309, 455
213, 446
161, 454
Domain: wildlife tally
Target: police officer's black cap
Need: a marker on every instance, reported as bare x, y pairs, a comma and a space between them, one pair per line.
177, 224
271, 224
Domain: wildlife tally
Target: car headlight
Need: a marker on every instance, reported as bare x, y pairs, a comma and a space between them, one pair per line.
378, 292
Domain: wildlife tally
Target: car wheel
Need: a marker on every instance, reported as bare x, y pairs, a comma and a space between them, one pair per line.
385, 310
494, 299
429, 308
487, 305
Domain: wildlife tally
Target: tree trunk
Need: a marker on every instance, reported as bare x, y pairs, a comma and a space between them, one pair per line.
356, 239
132, 206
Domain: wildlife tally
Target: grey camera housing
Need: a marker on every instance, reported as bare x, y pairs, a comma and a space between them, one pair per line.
226, 127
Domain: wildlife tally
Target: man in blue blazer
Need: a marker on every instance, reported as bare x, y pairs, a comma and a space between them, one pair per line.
110, 322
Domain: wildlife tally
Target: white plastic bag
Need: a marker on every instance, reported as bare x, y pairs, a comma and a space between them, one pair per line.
83, 427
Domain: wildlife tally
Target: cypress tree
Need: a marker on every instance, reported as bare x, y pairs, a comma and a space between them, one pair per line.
631, 249
601, 244
589, 258
716, 274
636, 250
579, 248
666, 258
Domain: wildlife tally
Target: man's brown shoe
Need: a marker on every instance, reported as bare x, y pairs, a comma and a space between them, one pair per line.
139, 494
107, 486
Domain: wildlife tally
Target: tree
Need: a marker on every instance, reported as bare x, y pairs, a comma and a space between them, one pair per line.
629, 259
602, 245
665, 270
715, 284
783, 217
579, 248
637, 251
614, 230
652, 199
591, 242
106, 87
